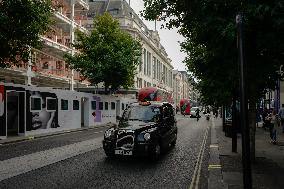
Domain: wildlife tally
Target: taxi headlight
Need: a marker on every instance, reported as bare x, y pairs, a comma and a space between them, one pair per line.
147, 136
108, 133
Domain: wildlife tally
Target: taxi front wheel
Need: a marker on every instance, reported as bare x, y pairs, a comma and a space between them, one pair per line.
109, 155
156, 152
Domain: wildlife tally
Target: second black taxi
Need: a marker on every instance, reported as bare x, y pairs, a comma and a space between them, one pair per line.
145, 128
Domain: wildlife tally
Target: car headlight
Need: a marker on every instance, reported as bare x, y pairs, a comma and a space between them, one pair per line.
108, 133
147, 136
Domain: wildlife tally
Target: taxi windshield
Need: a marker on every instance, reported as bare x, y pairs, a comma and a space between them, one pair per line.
141, 113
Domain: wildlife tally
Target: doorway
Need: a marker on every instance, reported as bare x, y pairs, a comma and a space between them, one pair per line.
117, 108
15, 113
82, 112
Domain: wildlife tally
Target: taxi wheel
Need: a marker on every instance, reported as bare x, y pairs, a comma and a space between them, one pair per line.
109, 155
174, 142
155, 155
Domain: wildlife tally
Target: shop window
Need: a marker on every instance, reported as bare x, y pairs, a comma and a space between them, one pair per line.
76, 105
35, 104
106, 105
51, 104
64, 104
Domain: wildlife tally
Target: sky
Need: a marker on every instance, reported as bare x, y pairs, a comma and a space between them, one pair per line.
169, 38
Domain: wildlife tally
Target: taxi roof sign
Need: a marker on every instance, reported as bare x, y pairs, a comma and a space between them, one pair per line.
147, 103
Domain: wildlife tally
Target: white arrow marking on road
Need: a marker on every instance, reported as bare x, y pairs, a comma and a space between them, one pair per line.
19, 165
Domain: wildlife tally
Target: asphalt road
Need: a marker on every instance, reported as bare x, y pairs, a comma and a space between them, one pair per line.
178, 168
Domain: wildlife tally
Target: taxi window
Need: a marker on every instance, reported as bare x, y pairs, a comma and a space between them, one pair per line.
166, 112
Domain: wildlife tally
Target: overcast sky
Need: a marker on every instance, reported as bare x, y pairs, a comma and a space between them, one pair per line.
169, 38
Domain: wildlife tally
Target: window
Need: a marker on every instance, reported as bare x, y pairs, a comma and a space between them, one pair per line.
101, 105
45, 65
94, 105
112, 105
149, 63
76, 105
113, 12
166, 112
64, 104
59, 65
122, 106
141, 62
51, 104
154, 67
145, 61
106, 105
35, 104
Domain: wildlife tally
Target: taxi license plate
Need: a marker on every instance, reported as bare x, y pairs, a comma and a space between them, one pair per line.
123, 152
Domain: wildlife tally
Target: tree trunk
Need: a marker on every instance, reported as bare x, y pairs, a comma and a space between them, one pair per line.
223, 116
252, 126
234, 126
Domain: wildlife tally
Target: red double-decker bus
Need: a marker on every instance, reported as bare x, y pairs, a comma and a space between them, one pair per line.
185, 106
154, 94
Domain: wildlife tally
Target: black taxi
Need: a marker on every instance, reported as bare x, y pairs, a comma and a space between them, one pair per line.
145, 128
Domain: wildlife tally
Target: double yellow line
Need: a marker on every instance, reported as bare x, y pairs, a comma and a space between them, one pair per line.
197, 170
214, 166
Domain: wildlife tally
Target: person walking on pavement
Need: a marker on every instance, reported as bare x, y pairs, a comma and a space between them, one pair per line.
273, 124
281, 115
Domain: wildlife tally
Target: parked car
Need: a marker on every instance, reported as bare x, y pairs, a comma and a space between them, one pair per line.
144, 129
193, 111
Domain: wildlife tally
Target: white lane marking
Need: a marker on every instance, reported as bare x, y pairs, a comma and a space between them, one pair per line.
19, 165
197, 170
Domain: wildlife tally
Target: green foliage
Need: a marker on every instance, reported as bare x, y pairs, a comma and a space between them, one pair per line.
107, 54
211, 45
22, 21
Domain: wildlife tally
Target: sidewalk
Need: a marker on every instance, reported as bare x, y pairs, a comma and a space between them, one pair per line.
14, 139
267, 171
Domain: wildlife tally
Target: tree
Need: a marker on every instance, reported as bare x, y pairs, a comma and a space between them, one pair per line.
22, 23
107, 54
210, 29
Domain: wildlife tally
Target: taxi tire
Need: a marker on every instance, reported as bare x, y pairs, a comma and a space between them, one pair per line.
109, 155
156, 152
173, 143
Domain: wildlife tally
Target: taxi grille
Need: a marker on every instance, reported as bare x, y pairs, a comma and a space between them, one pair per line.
125, 139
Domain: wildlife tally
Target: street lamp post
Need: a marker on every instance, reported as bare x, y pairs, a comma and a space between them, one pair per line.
246, 159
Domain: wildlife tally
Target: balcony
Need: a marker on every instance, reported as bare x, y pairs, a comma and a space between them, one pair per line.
63, 21
54, 48
82, 3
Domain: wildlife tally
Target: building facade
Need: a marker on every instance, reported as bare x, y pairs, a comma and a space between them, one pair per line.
47, 67
155, 69
183, 88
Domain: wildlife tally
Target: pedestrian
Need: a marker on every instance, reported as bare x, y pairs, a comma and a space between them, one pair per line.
177, 109
197, 113
281, 115
273, 124
266, 121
